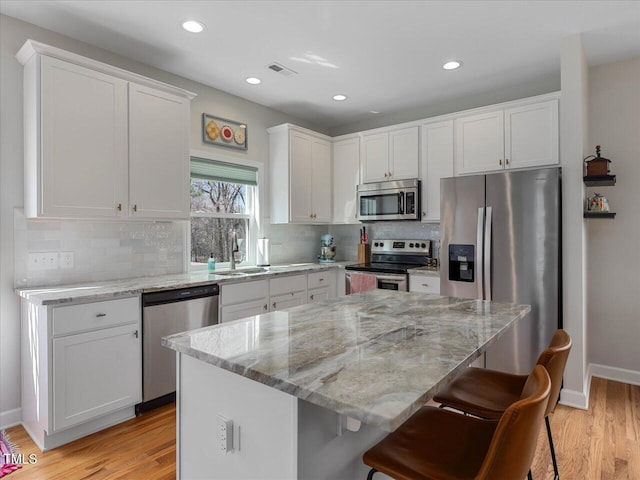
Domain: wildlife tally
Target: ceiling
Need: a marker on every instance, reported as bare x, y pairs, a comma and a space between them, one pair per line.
386, 56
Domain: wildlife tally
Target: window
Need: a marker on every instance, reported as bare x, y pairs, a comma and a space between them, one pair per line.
223, 198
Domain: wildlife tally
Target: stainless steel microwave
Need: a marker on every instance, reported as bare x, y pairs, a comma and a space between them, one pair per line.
397, 200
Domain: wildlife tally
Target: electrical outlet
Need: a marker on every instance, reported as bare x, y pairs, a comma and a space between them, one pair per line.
225, 435
66, 260
43, 261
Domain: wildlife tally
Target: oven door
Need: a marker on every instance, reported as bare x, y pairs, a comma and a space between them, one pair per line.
386, 281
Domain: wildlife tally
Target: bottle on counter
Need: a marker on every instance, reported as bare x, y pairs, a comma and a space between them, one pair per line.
211, 264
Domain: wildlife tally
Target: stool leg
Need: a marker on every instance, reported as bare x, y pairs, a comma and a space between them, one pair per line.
553, 451
529, 476
371, 472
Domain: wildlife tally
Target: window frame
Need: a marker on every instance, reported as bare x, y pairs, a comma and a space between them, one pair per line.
255, 218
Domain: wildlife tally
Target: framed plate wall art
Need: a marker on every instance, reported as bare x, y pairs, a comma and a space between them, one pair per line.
224, 132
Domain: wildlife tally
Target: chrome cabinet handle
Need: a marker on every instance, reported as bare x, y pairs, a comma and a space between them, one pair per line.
274, 304
321, 279
266, 306
135, 334
101, 315
500, 162
311, 296
135, 208
425, 284
506, 160
119, 207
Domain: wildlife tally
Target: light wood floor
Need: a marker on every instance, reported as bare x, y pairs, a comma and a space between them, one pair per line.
600, 444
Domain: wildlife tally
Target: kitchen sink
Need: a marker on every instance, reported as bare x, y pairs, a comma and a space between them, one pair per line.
240, 272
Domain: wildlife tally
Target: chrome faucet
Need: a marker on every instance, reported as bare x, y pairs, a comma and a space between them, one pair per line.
233, 247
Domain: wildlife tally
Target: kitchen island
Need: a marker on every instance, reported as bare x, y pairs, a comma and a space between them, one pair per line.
309, 389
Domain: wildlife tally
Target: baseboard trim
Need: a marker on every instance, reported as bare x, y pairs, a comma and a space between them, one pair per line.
576, 399
616, 374
10, 418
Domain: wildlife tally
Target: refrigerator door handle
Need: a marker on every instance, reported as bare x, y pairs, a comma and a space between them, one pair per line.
487, 253
479, 253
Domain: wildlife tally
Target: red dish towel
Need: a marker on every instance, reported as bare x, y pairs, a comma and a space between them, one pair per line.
361, 282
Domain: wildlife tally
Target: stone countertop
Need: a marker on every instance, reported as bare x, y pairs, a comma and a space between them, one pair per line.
424, 271
376, 356
96, 291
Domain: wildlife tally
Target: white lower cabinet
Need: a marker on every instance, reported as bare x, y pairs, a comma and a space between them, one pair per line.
94, 373
241, 300
81, 368
424, 283
321, 286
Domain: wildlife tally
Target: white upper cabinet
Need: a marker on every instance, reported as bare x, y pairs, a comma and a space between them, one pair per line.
531, 135
300, 175
158, 153
436, 163
346, 170
101, 142
391, 155
518, 137
83, 148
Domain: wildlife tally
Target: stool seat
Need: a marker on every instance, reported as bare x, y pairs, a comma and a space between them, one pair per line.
485, 393
436, 444
446, 444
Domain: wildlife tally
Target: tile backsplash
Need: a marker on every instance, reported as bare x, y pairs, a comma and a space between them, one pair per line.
347, 237
102, 250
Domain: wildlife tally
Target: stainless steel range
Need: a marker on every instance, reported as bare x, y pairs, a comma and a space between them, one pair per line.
390, 261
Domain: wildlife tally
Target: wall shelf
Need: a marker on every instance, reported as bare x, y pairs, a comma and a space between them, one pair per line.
599, 214
599, 180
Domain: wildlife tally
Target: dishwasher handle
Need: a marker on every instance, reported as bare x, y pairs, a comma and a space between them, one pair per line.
179, 295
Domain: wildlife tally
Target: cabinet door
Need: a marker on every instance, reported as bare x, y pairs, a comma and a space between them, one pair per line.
300, 177
83, 142
531, 135
346, 163
318, 294
479, 143
424, 284
89, 380
321, 180
243, 310
375, 158
287, 300
437, 163
403, 155
158, 154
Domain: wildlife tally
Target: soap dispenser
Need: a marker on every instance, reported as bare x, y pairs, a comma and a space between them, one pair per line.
211, 264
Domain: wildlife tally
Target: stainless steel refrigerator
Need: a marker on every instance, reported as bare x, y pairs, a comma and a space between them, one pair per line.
501, 241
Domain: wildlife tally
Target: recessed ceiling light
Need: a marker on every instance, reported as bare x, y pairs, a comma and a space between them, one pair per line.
339, 97
193, 26
253, 80
452, 65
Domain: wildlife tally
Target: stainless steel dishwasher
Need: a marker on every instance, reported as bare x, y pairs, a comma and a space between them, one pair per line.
165, 313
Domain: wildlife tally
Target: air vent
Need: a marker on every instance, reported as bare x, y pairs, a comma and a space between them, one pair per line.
281, 69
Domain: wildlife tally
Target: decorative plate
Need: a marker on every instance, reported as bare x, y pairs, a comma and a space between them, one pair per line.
226, 133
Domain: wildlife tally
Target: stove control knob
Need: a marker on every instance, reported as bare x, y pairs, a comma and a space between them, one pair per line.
381, 244
375, 244
423, 245
411, 245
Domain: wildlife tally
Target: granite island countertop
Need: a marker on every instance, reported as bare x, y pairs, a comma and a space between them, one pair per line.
375, 356
109, 289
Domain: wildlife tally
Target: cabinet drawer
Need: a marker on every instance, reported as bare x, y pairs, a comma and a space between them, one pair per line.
424, 283
321, 279
96, 315
242, 292
294, 283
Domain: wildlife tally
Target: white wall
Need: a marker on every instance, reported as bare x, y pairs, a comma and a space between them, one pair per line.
13, 34
613, 289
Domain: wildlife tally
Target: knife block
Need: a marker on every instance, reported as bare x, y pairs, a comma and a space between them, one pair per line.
364, 253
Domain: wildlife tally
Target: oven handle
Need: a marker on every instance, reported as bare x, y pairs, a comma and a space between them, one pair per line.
391, 278
401, 202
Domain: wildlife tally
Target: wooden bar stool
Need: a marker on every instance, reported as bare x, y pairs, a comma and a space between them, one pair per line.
436, 444
488, 393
